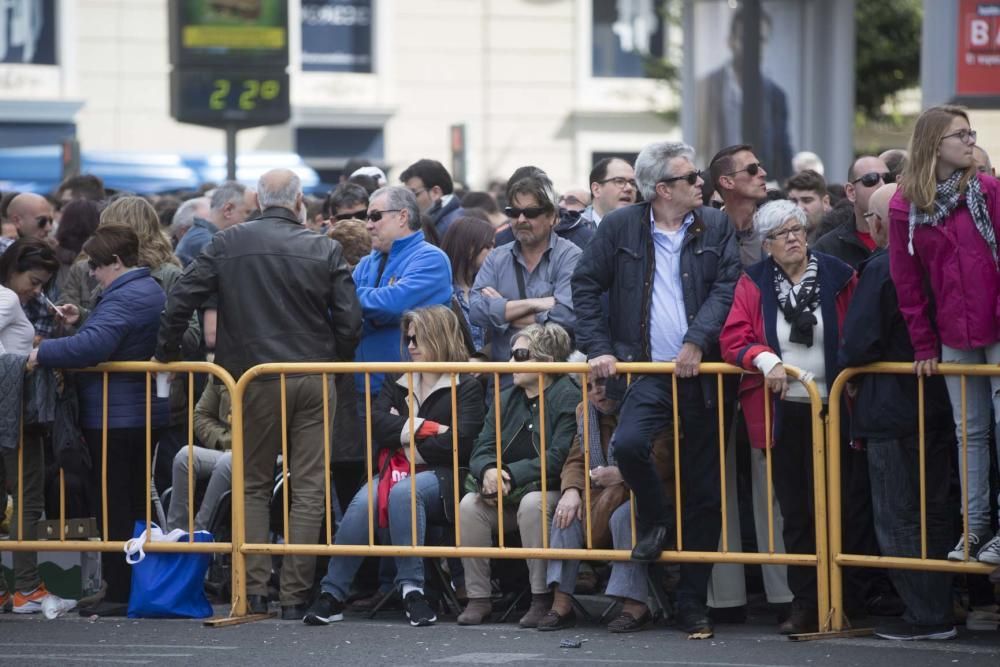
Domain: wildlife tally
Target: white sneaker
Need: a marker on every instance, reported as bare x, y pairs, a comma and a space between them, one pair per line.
958, 553
990, 552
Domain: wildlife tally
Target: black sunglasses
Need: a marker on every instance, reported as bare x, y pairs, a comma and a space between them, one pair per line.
520, 354
411, 340
375, 216
350, 216
92, 265
43, 221
530, 213
691, 178
752, 169
873, 177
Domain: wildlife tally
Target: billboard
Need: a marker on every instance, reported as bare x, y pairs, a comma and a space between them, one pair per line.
236, 32
337, 36
28, 32
977, 66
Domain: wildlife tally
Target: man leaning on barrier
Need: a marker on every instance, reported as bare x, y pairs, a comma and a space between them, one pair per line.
669, 267
285, 294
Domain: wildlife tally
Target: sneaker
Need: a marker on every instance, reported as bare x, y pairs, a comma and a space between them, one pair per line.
909, 632
695, 623
958, 553
417, 610
31, 602
990, 552
324, 611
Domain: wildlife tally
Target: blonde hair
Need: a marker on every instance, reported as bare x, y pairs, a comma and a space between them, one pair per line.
546, 342
154, 247
919, 177
438, 332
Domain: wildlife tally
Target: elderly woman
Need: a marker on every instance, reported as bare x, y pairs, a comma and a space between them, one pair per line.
788, 308
520, 473
610, 513
122, 327
429, 334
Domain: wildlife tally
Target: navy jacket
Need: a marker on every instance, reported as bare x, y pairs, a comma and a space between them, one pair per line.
619, 261
874, 330
199, 236
122, 327
443, 216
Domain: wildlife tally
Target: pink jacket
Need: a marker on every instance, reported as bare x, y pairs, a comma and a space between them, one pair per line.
955, 262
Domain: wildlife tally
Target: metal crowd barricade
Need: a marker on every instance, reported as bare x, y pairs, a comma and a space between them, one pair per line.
62, 543
839, 559
820, 559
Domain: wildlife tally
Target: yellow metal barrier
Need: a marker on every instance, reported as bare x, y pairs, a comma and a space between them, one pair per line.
18, 541
838, 559
820, 559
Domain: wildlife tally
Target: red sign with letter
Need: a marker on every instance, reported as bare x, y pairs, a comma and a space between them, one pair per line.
978, 62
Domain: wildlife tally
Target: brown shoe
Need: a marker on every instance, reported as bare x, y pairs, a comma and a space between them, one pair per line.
539, 607
553, 621
800, 621
476, 612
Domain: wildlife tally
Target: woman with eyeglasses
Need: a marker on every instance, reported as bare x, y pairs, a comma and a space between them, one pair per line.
519, 478
122, 327
429, 334
26, 268
944, 222
788, 308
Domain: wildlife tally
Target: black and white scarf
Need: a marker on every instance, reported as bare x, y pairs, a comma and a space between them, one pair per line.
797, 302
946, 201
593, 442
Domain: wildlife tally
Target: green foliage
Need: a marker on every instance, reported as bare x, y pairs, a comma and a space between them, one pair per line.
888, 51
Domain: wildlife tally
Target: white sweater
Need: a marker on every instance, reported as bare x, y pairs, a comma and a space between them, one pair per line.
16, 332
809, 359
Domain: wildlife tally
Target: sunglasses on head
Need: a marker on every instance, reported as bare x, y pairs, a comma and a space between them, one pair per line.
520, 354
873, 177
691, 178
411, 340
530, 213
375, 216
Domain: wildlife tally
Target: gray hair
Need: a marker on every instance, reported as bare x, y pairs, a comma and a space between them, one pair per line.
278, 187
185, 215
774, 214
400, 198
546, 342
230, 191
652, 165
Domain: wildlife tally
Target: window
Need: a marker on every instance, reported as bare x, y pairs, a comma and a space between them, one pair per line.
625, 33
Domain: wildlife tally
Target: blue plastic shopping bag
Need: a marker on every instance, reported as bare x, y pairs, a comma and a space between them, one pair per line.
167, 585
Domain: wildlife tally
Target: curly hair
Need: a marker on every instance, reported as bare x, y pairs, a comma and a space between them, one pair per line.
154, 248
353, 237
546, 342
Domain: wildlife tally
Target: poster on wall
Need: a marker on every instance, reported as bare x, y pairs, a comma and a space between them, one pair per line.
337, 36
977, 73
28, 32
624, 34
714, 108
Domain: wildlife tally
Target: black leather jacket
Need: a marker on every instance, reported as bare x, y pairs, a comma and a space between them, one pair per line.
620, 261
284, 292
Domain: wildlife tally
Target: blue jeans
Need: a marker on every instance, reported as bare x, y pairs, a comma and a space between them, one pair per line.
894, 468
353, 529
980, 392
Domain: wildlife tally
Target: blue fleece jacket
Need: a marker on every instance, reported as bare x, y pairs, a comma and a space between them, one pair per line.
416, 274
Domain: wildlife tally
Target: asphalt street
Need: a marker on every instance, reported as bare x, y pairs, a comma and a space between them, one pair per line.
389, 640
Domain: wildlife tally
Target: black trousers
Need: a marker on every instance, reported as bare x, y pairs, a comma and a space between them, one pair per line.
792, 463
126, 498
646, 410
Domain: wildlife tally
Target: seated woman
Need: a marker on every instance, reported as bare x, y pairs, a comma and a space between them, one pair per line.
122, 327
521, 470
610, 515
429, 334
213, 461
789, 307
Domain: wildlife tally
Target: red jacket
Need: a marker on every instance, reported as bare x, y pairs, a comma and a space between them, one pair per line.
955, 261
751, 328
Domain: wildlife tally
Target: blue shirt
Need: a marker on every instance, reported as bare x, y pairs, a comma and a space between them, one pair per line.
667, 317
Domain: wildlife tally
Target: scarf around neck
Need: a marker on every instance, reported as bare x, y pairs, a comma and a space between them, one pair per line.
797, 302
593, 442
946, 201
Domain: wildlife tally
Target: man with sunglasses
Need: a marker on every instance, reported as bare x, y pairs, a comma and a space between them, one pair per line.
31, 214
347, 201
656, 284
741, 180
852, 241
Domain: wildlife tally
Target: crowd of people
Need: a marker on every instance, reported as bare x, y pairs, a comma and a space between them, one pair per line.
657, 261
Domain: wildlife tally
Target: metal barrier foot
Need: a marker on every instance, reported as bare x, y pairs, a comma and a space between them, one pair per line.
226, 621
832, 634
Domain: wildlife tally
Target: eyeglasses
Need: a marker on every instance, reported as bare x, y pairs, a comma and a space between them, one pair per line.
530, 213
411, 340
375, 216
520, 354
751, 169
351, 216
785, 234
872, 178
621, 182
691, 177
43, 221
965, 136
